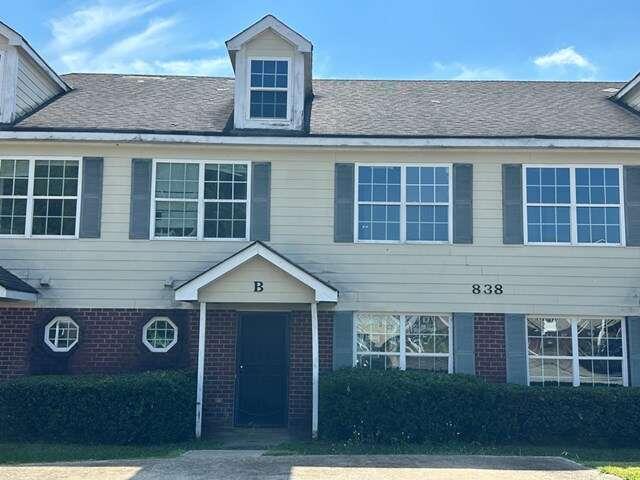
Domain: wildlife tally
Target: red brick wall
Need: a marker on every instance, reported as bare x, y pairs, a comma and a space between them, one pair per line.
15, 341
491, 362
110, 341
300, 361
219, 365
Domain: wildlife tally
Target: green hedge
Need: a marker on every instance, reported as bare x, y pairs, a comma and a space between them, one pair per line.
392, 406
151, 407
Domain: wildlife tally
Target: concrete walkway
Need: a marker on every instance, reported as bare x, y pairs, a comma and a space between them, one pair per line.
252, 465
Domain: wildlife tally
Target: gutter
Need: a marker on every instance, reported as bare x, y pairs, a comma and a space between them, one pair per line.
323, 141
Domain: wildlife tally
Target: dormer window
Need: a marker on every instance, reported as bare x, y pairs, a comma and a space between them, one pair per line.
269, 88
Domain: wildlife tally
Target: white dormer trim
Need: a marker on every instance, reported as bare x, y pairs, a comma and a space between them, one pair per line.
628, 87
270, 22
16, 40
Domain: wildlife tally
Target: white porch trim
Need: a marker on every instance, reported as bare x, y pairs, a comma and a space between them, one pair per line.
17, 295
201, 341
189, 290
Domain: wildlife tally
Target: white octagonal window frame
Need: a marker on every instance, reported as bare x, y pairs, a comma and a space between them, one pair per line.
148, 344
71, 325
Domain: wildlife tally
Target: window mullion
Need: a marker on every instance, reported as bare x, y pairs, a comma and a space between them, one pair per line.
200, 202
574, 348
403, 343
403, 205
573, 211
28, 224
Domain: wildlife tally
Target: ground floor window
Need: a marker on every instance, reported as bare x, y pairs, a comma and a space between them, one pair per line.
576, 351
405, 341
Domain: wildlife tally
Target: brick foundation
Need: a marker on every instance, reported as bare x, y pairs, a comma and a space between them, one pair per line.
491, 362
15, 341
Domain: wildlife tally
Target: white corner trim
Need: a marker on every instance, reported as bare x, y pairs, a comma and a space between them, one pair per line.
318, 141
17, 295
189, 291
269, 22
148, 344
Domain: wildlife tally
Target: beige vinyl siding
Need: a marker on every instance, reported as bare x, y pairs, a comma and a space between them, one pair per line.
33, 88
238, 285
117, 272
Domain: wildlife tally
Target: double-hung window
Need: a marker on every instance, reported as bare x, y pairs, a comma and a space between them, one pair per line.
576, 350
573, 205
403, 203
200, 200
268, 91
405, 341
39, 197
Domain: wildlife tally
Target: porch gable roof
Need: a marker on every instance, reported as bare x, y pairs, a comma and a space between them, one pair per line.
189, 290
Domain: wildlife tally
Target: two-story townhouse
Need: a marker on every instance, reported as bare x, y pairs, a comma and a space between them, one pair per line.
268, 227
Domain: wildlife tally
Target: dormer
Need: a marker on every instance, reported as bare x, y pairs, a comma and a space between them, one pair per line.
272, 65
26, 81
629, 95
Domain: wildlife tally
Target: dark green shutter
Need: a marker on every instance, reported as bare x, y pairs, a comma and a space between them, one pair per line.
342, 340
464, 343
91, 197
462, 203
512, 228
632, 205
140, 209
633, 347
343, 203
260, 201
516, 348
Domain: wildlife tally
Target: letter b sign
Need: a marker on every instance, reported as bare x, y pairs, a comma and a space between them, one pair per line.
258, 286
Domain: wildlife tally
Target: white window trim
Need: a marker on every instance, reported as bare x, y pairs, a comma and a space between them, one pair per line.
403, 347
156, 349
53, 322
403, 203
573, 206
265, 120
575, 358
30, 197
201, 201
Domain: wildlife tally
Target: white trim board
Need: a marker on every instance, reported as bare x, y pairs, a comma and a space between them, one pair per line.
189, 291
317, 141
17, 295
269, 22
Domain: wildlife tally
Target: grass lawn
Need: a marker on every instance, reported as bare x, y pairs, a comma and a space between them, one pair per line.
60, 452
623, 462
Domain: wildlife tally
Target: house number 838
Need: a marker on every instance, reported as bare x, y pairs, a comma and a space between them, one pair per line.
487, 289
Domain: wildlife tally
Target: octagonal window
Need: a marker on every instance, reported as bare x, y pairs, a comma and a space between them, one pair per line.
160, 334
61, 334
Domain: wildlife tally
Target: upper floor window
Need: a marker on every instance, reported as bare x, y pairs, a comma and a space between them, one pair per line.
574, 205
199, 199
269, 83
403, 203
576, 351
39, 197
415, 341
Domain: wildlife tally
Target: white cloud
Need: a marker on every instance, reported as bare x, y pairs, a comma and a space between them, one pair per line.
92, 21
460, 71
565, 57
107, 38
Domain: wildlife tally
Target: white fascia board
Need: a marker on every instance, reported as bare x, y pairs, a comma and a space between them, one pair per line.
189, 291
317, 141
17, 40
628, 87
290, 35
17, 295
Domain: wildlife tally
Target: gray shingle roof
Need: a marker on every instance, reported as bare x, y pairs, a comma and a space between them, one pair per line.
391, 108
9, 281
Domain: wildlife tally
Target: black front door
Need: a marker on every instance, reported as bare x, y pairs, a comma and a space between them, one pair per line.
261, 391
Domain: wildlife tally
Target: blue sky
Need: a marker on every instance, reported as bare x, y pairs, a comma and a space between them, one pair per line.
456, 39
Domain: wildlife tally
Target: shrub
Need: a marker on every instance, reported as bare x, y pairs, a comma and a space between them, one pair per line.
151, 407
393, 406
